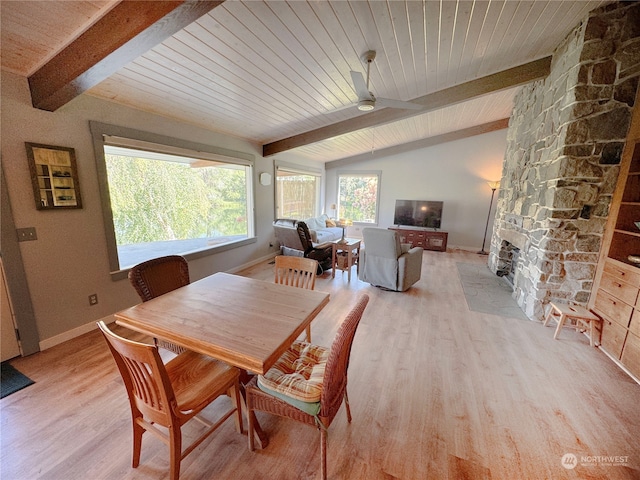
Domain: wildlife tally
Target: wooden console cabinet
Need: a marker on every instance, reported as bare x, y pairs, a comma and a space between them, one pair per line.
616, 295
618, 304
427, 239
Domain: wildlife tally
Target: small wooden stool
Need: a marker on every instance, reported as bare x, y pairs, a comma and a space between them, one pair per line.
584, 318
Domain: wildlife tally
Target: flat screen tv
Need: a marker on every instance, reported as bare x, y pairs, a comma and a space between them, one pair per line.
418, 213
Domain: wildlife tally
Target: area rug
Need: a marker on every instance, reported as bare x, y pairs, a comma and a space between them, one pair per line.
485, 292
11, 380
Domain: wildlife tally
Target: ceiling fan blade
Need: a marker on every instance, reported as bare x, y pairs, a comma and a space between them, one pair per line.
361, 86
343, 107
387, 102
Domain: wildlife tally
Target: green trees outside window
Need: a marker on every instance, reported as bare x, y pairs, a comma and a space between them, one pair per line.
358, 196
189, 203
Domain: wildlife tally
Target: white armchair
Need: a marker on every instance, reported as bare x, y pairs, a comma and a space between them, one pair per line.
387, 264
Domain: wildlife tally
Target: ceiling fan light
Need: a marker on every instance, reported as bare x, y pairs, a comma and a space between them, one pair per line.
366, 105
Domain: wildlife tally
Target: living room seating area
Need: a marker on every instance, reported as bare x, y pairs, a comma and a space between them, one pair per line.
321, 229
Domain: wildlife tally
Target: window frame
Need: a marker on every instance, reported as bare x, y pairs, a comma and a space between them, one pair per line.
359, 173
101, 132
302, 170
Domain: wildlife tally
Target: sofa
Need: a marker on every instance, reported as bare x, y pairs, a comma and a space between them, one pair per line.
386, 263
289, 240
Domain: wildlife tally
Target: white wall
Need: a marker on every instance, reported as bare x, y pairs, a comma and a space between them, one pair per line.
454, 172
69, 261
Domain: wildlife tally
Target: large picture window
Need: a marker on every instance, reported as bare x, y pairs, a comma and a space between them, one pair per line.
166, 200
297, 192
358, 196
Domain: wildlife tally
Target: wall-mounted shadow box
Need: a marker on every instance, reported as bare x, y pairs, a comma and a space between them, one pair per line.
54, 175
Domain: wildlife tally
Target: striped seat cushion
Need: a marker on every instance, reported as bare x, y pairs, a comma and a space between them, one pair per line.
298, 373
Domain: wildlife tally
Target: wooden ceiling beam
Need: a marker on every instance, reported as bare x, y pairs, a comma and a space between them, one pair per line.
127, 31
449, 96
488, 127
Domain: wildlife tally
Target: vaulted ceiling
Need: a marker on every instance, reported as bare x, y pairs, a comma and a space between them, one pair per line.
277, 73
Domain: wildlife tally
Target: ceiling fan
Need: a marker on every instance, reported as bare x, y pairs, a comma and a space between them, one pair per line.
367, 101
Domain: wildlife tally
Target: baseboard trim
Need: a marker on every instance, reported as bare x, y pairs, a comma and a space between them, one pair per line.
73, 333
619, 364
253, 262
462, 247
88, 327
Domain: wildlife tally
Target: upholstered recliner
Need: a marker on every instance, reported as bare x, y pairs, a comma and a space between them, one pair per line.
321, 253
387, 264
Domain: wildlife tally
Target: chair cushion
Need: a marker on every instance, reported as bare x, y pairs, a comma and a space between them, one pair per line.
298, 373
311, 408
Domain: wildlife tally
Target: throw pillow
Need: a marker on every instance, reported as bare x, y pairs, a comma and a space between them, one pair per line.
313, 223
330, 223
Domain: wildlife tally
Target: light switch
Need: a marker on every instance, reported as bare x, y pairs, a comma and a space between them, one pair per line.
26, 234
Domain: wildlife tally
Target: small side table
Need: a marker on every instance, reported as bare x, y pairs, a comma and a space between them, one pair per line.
585, 319
352, 248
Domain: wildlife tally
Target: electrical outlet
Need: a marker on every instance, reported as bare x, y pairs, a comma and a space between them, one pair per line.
26, 234
93, 299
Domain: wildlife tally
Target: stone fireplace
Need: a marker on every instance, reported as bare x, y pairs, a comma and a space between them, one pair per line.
564, 144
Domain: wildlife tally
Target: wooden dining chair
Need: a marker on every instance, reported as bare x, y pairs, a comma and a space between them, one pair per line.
308, 383
296, 272
156, 277
170, 395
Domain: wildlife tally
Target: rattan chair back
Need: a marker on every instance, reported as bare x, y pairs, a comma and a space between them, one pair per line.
334, 388
334, 385
158, 276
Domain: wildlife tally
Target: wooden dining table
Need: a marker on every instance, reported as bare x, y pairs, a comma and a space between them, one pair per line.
242, 321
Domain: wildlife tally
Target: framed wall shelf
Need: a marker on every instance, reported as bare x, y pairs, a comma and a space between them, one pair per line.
54, 176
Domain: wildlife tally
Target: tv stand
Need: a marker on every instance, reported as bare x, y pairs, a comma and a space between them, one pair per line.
426, 239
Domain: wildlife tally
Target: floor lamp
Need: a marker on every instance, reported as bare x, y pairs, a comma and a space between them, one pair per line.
493, 186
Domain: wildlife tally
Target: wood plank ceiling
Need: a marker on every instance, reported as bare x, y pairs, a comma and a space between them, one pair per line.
268, 71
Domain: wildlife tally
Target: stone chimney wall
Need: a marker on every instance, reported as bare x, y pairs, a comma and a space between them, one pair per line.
564, 144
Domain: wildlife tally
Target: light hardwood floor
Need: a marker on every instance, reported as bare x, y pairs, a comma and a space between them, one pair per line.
437, 392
